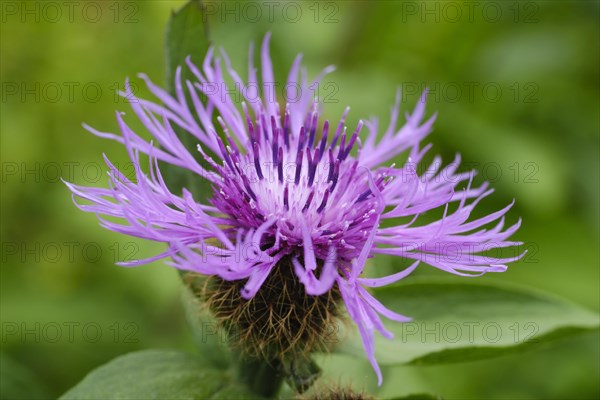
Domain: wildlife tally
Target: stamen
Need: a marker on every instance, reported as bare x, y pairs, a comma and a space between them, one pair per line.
275, 143
257, 162
313, 126
324, 140
286, 126
280, 165
285, 199
352, 140
363, 196
273, 126
298, 166
308, 201
331, 165
301, 138
342, 146
247, 186
340, 127
324, 202
336, 174
312, 166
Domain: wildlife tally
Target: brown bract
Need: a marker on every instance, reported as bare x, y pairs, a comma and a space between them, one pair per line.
280, 321
337, 393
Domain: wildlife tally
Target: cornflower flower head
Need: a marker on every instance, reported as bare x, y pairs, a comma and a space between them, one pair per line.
296, 204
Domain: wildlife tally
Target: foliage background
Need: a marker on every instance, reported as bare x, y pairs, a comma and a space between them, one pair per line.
544, 60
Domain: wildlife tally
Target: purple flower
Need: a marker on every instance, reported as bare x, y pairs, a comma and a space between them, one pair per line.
286, 184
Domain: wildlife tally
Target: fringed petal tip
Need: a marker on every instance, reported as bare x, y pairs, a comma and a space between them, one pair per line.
364, 309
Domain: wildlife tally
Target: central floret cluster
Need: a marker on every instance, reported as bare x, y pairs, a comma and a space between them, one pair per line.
295, 196
311, 187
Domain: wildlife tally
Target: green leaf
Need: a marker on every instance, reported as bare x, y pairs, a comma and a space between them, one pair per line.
18, 382
187, 35
211, 340
454, 322
157, 374
301, 372
418, 396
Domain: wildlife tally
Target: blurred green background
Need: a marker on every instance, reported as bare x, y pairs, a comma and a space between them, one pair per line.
516, 88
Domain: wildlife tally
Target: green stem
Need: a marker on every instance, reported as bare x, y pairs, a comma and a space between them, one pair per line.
263, 377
